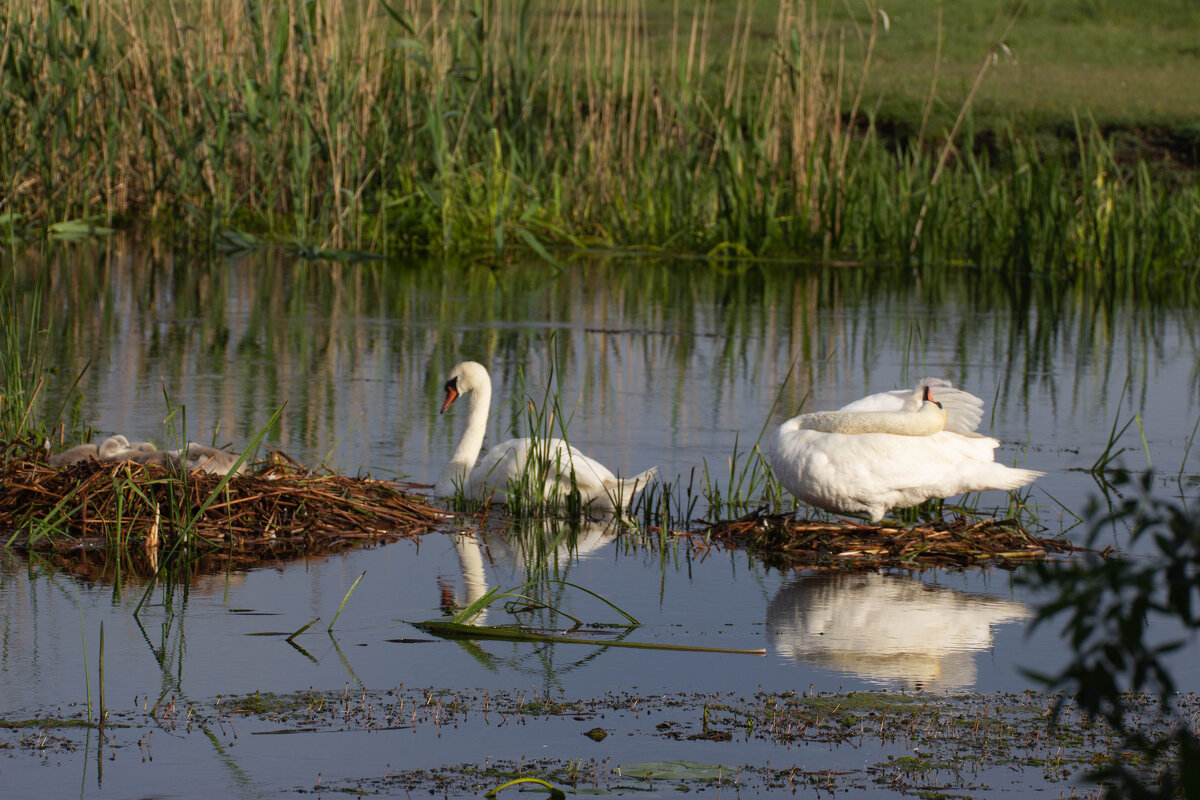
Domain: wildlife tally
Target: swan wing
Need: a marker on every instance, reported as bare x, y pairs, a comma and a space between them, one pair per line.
872, 472
964, 411
508, 460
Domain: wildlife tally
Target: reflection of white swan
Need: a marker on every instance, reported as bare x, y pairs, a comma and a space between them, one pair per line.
544, 547
556, 463
886, 628
843, 461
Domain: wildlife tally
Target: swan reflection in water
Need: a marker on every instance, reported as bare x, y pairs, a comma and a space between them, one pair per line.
542, 548
887, 629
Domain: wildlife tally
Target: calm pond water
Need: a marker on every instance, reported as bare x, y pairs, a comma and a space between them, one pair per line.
668, 363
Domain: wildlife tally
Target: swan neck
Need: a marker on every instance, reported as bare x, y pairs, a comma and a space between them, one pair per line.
926, 422
466, 453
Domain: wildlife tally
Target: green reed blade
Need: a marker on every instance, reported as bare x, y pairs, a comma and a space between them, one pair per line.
302, 629
346, 599
448, 629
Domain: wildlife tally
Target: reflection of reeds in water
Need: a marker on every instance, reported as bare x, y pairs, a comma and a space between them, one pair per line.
527, 552
678, 357
886, 628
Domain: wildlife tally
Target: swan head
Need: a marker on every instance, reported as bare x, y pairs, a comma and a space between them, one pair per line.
466, 377
931, 408
113, 448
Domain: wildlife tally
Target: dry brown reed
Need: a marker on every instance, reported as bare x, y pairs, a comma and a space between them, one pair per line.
313, 117
786, 542
128, 506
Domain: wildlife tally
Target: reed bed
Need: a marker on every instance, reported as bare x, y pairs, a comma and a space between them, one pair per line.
283, 509
788, 542
488, 126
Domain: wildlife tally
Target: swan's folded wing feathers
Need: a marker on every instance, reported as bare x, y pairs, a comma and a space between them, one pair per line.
964, 411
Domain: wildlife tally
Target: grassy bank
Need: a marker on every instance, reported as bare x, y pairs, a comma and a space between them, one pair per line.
484, 127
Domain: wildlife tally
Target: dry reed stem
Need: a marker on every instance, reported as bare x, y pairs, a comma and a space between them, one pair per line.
47, 508
806, 543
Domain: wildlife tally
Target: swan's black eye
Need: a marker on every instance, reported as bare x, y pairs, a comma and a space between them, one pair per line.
451, 385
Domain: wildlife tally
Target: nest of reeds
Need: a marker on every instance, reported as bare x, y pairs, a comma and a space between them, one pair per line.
279, 508
784, 541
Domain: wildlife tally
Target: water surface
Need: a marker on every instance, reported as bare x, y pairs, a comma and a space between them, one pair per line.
674, 364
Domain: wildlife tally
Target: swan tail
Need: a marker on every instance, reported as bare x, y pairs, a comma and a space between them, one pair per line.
1013, 477
619, 493
641, 480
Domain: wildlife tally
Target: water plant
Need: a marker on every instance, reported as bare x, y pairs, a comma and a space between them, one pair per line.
1106, 602
523, 598
489, 127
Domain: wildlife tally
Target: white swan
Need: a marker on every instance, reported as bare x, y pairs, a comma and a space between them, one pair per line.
599, 489
841, 461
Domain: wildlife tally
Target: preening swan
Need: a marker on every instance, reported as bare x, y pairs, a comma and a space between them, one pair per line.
890, 450
599, 489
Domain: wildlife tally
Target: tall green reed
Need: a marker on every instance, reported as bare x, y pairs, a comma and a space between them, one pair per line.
487, 126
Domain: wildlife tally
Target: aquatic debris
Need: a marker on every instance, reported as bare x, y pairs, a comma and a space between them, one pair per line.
782, 540
279, 509
461, 625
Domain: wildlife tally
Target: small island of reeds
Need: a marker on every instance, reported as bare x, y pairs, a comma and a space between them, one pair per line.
955, 541
279, 509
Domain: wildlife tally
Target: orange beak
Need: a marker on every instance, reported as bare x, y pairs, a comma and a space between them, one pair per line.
451, 396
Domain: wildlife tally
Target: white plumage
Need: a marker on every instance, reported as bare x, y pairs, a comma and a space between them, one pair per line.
554, 464
867, 472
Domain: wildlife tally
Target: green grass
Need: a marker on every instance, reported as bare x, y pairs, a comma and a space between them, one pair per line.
494, 128
1129, 64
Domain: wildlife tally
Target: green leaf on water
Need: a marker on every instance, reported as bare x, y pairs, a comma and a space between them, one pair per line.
554, 792
513, 633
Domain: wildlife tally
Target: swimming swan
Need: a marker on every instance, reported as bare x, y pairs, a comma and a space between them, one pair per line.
890, 450
599, 489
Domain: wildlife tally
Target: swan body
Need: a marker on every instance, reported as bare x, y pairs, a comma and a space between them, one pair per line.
553, 463
838, 462
118, 448
74, 455
194, 457
925, 421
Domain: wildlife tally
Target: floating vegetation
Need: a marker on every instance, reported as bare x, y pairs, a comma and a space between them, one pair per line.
902, 744
461, 625
281, 509
784, 541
